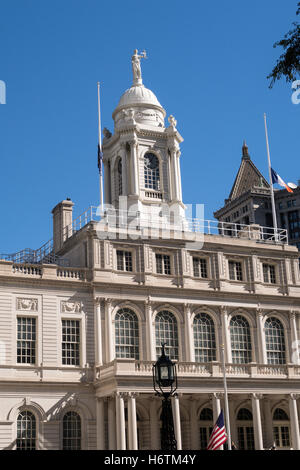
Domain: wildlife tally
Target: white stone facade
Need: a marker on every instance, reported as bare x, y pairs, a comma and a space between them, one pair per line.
78, 343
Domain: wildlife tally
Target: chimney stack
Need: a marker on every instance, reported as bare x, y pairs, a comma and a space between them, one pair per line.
62, 223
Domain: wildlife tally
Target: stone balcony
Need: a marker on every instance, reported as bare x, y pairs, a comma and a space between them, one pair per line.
193, 370
42, 271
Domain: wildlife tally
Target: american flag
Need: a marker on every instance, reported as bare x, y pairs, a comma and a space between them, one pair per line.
218, 435
100, 158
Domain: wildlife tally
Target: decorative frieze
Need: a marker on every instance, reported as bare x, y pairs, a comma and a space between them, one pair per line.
70, 307
27, 304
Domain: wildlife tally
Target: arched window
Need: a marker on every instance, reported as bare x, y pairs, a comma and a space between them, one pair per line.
240, 340
126, 334
245, 430
26, 431
275, 343
206, 427
151, 171
281, 428
204, 338
71, 431
166, 332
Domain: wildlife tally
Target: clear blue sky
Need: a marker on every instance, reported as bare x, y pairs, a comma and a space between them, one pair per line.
207, 65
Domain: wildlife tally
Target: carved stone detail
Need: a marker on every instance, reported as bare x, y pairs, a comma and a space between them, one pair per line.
27, 304
70, 307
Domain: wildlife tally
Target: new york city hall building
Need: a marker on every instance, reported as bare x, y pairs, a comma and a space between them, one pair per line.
82, 318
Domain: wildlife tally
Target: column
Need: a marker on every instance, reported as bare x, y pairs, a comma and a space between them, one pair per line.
120, 422
176, 419
268, 422
109, 331
190, 356
174, 172
124, 169
295, 444
294, 339
107, 186
226, 335
262, 359
111, 420
170, 180
154, 424
151, 352
216, 405
194, 424
257, 421
132, 422
100, 423
134, 166
98, 334
178, 153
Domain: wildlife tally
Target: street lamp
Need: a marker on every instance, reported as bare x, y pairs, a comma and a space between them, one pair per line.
165, 385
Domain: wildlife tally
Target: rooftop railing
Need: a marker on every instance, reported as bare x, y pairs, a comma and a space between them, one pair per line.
141, 221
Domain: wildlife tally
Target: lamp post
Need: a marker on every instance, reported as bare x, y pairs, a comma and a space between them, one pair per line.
165, 385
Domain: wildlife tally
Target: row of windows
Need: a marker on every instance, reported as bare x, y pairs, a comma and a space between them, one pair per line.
27, 431
245, 430
72, 432
166, 331
27, 341
200, 267
205, 347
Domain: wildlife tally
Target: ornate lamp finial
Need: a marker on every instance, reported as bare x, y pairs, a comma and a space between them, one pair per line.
136, 66
245, 150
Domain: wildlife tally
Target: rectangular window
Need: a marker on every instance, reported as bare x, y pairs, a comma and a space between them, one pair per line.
26, 340
200, 267
163, 264
235, 270
71, 342
269, 273
124, 260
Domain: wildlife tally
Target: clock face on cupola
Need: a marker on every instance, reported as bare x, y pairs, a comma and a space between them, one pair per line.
141, 157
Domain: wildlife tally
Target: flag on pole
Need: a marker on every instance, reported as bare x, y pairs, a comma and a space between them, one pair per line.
218, 436
277, 179
100, 158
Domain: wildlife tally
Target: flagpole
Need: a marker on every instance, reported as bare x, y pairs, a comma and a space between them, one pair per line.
227, 421
100, 146
271, 181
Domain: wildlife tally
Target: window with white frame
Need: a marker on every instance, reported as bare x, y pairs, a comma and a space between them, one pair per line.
281, 428
235, 270
151, 171
166, 331
26, 431
200, 267
71, 431
71, 342
206, 427
241, 349
269, 273
126, 334
124, 260
275, 342
163, 264
26, 340
204, 338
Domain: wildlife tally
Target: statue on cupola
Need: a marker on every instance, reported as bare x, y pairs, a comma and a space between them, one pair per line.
136, 66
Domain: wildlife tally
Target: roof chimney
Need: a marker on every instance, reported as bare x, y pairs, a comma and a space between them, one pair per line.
62, 223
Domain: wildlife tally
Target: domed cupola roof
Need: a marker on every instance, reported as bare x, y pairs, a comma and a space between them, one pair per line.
138, 103
138, 94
